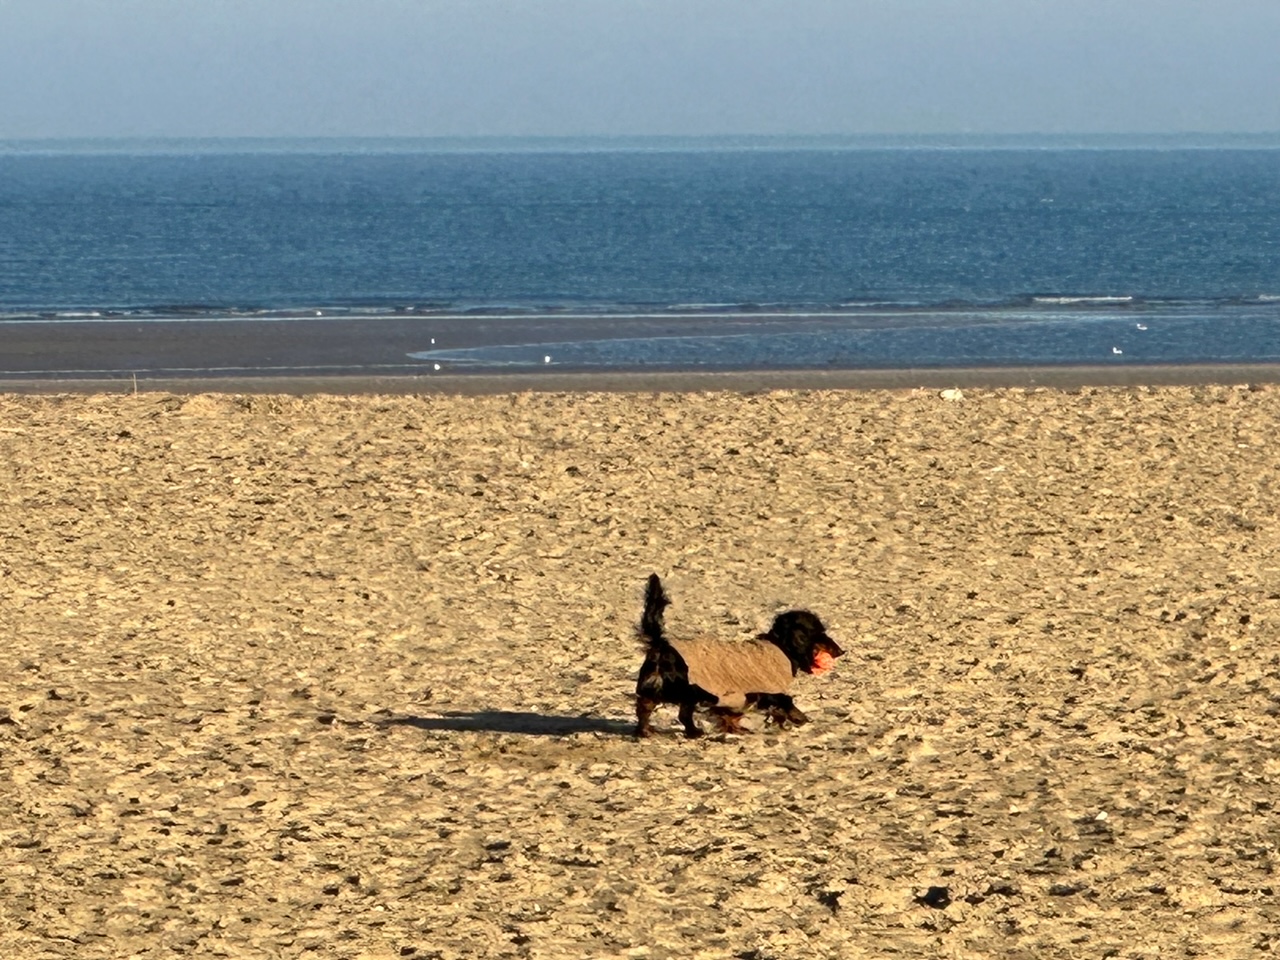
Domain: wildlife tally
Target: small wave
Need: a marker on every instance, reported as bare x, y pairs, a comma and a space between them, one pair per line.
1066, 301
889, 309
707, 306
873, 304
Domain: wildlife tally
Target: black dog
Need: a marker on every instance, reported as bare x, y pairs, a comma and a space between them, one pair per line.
729, 678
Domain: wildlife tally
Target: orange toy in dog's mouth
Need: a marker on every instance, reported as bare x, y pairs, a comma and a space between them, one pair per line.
822, 662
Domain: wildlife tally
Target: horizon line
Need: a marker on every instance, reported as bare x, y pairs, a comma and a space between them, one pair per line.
652, 141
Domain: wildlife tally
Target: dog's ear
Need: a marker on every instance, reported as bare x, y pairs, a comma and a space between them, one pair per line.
807, 627
797, 633
801, 636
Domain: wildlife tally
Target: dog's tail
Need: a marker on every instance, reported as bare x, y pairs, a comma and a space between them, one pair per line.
655, 601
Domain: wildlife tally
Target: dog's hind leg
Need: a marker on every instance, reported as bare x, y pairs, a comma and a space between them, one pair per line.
729, 721
691, 729
644, 710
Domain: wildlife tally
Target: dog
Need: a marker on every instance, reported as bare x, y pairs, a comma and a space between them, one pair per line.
727, 678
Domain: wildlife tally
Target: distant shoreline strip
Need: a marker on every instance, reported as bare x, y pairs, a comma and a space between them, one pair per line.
480, 384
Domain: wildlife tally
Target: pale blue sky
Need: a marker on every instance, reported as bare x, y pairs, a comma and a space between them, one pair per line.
121, 68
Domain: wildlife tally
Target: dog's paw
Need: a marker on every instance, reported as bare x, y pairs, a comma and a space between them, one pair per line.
731, 723
786, 718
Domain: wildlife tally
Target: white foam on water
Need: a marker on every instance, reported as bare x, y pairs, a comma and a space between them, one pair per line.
1066, 300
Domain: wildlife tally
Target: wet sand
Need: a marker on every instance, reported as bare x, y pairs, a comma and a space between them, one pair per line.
343, 354
684, 381
349, 676
341, 346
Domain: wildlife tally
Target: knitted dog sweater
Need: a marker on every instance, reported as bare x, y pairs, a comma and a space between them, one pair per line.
733, 670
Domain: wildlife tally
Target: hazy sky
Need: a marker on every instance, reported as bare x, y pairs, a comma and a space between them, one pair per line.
582, 67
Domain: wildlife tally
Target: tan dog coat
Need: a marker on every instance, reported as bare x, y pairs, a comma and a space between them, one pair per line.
732, 670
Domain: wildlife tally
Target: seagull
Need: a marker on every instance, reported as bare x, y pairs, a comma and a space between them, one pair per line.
1116, 350
1142, 326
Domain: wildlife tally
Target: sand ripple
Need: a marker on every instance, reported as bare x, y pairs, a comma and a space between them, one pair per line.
349, 677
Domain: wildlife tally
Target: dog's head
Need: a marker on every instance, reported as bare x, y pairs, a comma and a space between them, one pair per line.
802, 637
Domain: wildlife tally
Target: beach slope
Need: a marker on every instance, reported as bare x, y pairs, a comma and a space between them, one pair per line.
350, 676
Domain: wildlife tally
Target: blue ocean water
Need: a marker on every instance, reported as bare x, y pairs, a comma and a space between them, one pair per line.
809, 254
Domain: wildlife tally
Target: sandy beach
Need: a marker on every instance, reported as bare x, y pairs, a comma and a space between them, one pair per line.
350, 676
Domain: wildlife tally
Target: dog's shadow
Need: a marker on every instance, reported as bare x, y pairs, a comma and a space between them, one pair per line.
510, 721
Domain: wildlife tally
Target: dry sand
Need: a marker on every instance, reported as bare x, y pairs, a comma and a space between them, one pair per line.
350, 677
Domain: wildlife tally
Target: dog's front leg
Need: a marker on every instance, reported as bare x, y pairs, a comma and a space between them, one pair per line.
691, 729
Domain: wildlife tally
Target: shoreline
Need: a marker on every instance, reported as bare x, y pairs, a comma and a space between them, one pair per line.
312, 355
675, 381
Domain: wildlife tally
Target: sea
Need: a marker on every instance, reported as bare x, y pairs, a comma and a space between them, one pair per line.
670, 253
